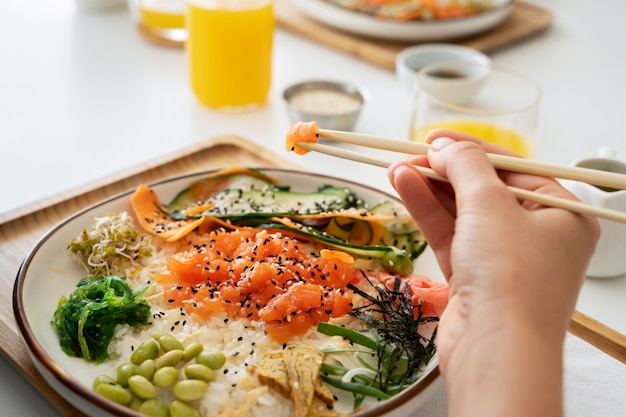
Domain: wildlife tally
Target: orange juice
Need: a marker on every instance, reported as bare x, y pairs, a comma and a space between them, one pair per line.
161, 21
488, 131
162, 14
229, 51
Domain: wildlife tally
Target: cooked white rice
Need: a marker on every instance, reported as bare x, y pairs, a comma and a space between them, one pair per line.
236, 390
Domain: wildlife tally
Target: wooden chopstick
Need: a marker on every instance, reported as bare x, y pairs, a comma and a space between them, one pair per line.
609, 341
508, 163
521, 193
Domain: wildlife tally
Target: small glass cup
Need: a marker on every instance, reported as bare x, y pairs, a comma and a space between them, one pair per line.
484, 100
229, 51
160, 21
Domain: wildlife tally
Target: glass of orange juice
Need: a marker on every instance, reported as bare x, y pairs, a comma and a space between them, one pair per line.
229, 52
484, 100
160, 21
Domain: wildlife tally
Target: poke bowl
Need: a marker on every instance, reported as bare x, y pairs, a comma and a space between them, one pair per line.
170, 296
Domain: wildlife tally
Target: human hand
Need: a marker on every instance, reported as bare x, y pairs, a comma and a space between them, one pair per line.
512, 266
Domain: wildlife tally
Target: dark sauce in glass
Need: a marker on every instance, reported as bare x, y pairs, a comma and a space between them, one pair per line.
446, 73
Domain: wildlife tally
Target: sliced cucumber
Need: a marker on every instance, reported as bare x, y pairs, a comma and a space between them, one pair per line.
241, 203
361, 233
203, 189
338, 228
355, 231
412, 243
401, 232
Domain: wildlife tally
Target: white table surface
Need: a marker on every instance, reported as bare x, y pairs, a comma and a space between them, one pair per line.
83, 96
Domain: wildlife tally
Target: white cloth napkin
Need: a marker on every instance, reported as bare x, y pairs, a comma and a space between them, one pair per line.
595, 385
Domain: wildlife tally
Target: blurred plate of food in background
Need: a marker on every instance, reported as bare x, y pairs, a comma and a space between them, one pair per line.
408, 20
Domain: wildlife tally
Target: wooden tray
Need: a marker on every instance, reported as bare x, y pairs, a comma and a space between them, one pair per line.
21, 229
525, 20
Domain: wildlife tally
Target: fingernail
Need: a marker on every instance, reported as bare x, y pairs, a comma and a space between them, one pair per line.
441, 143
394, 170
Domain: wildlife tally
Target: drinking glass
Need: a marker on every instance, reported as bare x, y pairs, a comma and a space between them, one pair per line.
485, 100
160, 21
229, 52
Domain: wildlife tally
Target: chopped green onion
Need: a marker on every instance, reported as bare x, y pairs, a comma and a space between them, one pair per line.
352, 335
329, 349
333, 369
356, 388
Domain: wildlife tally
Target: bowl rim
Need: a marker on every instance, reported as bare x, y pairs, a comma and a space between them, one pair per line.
406, 72
348, 88
452, 50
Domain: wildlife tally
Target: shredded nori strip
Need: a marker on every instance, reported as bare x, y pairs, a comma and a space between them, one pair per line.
402, 351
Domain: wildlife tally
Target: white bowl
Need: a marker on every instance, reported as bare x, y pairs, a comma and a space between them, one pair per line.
47, 273
608, 260
412, 59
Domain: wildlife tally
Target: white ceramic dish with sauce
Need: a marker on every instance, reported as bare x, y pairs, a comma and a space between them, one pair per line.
47, 273
412, 59
417, 30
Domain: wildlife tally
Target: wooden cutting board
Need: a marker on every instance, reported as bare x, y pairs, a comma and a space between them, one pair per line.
21, 229
525, 20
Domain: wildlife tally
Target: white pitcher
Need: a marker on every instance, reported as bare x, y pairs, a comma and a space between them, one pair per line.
609, 259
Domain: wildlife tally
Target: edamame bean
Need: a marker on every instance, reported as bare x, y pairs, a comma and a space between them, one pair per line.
180, 409
199, 371
115, 393
153, 408
142, 387
135, 403
169, 343
147, 350
189, 389
166, 376
170, 358
156, 335
192, 351
102, 379
213, 359
125, 371
146, 369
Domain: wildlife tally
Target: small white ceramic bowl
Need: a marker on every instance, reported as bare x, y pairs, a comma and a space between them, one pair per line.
412, 59
331, 104
608, 260
455, 83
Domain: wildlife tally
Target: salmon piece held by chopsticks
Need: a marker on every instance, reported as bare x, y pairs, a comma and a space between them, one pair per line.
301, 132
